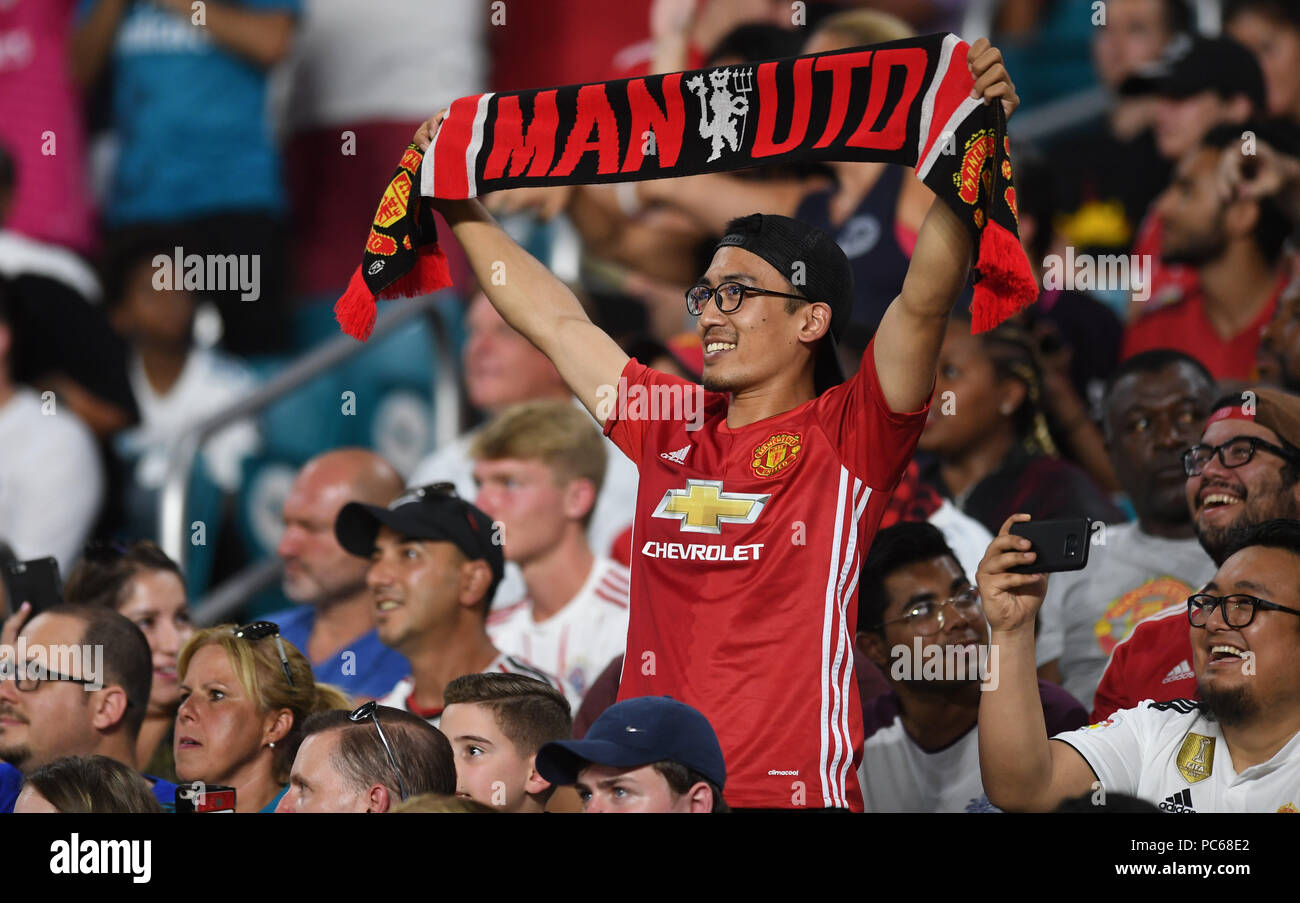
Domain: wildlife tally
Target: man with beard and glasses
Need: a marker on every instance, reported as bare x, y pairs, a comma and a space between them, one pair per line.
1246, 470
1234, 245
1234, 751
922, 747
1153, 411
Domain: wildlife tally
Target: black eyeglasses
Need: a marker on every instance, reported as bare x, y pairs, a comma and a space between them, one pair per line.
927, 618
727, 296
1238, 610
34, 675
1233, 453
370, 710
260, 630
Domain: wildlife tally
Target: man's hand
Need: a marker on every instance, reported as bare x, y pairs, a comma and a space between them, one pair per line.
1010, 600
1267, 173
13, 624
991, 78
424, 134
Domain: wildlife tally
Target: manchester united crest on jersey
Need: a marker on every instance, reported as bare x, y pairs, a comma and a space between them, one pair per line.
775, 454
1196, 758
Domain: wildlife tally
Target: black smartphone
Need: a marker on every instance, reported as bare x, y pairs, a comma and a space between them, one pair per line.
36, 581
1061, 545
196, 797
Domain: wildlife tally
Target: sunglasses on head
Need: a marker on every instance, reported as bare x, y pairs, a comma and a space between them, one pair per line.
370, 710
260, 630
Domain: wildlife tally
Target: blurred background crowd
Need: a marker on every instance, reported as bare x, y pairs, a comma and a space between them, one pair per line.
228, 423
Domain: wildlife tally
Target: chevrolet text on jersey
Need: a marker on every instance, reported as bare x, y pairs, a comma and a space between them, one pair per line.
701, 552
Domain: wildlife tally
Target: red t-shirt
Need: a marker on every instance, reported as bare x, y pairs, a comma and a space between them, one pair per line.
1153, 662
1184, 326
746, 549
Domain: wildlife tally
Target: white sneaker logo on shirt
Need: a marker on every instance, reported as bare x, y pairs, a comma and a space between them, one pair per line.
1181, 671
677, 457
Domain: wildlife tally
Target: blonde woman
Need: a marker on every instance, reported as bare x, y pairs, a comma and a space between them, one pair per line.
245, 693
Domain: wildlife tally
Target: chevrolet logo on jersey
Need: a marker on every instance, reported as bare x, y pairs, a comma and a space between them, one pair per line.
703, 506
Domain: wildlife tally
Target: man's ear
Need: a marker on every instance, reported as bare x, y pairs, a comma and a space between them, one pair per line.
109, 708
536, 783
872, 645
700, 797
475, 578
579, 498
816, 321
379, 799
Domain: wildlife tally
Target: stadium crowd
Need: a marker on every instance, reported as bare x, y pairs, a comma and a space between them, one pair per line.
465, 627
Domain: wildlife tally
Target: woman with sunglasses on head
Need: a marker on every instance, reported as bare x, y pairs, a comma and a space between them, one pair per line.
141, 583
245, 694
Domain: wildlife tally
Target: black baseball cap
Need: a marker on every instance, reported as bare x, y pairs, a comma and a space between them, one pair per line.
433, 513
795, 248
1194, 64
637, 732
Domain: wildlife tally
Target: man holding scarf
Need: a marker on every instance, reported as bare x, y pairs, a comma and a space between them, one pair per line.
752, 521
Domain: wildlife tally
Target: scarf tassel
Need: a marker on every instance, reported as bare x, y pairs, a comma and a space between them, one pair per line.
1004, 287
356, 310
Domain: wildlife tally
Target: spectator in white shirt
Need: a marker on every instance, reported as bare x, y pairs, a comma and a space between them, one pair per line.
502, 368
177, 385
539, 468
1237, 750
51, 478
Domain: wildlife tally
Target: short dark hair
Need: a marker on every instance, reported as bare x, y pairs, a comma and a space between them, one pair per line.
128, 663
681, 779
1283, 11
1111, 802
419, 748
1150, 362
103, 576
1273, 227
1178, 17
1279, 533
8, 170
530, 713
93, 784
905, 543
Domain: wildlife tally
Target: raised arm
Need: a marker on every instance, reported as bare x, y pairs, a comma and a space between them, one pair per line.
1022, 770
530, 298
911, 331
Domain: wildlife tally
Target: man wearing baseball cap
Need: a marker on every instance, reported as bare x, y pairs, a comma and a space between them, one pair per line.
650, 754
751, 521
435, 562
1245, 471
1201, 82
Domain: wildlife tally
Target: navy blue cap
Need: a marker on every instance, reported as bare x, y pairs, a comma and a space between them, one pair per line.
637, 732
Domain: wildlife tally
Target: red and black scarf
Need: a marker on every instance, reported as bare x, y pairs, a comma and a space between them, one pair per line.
905, 102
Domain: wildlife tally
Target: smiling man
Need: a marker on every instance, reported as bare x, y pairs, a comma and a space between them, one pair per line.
1234, 751
922, 740
435, 561
751, 522
1246, 470
1154, 409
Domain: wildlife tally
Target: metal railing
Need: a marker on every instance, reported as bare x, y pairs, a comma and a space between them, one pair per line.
173, 526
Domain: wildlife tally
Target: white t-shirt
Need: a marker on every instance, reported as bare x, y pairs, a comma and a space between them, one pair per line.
1131, 576
399, 696
896, 775
578, 641
209, 382
385, 59
51, 479
967, 537
614, 511
1173, 755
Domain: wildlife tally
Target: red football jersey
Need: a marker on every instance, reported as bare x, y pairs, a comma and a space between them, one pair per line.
1152, 662
746, 550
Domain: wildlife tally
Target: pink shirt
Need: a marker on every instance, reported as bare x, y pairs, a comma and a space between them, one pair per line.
39, 113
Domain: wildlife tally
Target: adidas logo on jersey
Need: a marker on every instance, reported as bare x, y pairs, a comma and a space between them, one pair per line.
1181, 671
677, 457
1179, 802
